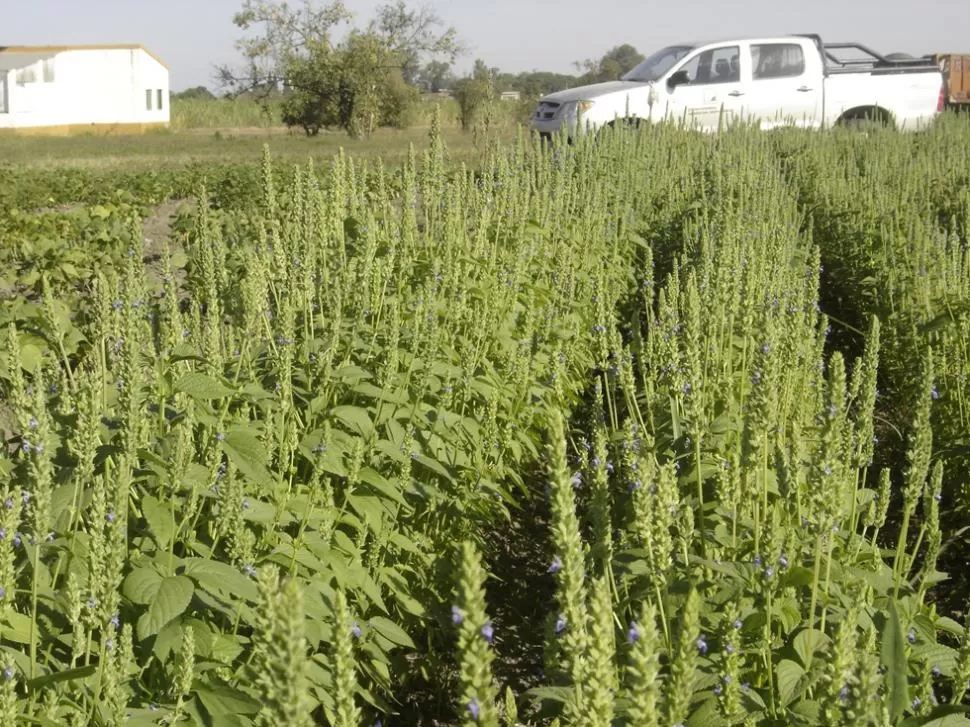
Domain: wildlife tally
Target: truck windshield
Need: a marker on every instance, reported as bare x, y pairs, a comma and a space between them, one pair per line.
652, 68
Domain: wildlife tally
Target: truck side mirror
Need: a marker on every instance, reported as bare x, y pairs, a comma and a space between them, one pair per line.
678, 79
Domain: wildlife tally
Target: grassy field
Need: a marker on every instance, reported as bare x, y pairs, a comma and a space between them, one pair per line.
662, 429
172, 149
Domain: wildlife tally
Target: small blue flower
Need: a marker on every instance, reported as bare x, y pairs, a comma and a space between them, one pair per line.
911, 636
250, 571
737, 624
555, 566
783, 561
917, 702
702, 644
633, 633
8, 673
487, 632
456, 617
355, 629
474, 708
560, 624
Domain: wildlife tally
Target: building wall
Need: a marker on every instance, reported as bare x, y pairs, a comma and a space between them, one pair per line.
84, 87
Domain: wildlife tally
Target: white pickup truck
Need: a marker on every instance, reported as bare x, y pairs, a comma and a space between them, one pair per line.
793, 80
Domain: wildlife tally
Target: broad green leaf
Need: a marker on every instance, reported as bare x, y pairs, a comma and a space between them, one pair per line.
16, 627
894, 659
202, 387
220, 700
159, 519
351, 373
391, 631
248, 454
807, 642
788, 674
141, 585
355, 417
375, 392
380, 483
173, 597
221, 579
66, 675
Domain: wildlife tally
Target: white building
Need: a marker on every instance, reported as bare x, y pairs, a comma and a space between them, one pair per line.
63, 89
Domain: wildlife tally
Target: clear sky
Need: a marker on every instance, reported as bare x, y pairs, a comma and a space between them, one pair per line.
514, 35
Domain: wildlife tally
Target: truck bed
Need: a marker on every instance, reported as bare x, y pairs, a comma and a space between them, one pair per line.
852, 57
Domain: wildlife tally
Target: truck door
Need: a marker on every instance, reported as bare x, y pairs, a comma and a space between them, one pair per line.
714, 92
786, 89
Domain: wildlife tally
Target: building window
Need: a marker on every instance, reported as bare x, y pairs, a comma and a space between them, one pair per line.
26, 75
148, 100
48, 70
159, 104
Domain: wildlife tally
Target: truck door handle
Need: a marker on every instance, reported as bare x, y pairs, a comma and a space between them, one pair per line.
803, 89
736, 93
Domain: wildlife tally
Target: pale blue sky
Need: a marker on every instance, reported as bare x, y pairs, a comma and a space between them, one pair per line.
514, 35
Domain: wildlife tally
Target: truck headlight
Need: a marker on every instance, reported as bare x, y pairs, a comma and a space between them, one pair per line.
583, 106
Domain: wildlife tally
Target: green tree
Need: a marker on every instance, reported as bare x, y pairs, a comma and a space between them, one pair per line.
474, 94
614, 63
358, 84
435, 75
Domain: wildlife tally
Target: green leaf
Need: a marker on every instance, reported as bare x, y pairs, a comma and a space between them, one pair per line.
141, 585
788, 674
807, 642
380, 483
159, 519
391, 631
356, 418
894, 659
16, 627
220, 579
173, 597
945, 715
248, 455
225, 700
202, 387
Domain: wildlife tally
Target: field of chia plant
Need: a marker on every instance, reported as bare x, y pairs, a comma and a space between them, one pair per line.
654, 429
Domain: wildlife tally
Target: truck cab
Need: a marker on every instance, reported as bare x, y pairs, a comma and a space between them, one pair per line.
771, 81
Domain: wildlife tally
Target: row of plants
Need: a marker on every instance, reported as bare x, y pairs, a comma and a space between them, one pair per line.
265, 486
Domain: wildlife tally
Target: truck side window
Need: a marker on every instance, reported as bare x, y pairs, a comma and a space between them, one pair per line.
777, 60
718, 65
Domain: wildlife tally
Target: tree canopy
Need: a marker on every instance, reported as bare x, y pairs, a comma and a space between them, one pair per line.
358, 83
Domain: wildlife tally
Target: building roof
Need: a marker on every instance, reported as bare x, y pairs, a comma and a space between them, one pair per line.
43, 49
